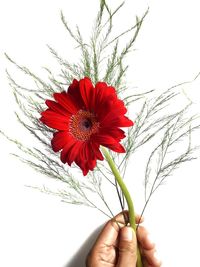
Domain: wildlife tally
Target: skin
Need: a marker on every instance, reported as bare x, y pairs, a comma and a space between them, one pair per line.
116, 246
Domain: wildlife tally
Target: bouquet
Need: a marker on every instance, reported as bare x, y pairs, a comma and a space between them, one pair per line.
85, 136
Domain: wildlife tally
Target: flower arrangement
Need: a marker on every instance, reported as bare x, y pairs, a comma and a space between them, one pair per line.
77, 117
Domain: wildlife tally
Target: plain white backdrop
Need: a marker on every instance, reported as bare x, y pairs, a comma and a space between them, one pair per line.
37, 229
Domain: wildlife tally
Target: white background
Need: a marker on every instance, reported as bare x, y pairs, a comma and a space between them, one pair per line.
39, 230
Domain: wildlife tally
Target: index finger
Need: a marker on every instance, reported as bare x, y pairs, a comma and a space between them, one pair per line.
111, 230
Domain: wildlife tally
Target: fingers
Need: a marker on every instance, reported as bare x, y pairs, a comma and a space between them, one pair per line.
111, 230
117, 242
149, 258
106, 245
138, 219
144, 239
147, 248
104, 248
123, 218
127, 248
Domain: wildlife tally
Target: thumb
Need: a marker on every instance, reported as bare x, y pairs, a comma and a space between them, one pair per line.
127, 248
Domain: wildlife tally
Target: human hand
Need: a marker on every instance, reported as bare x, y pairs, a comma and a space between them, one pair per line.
116, 246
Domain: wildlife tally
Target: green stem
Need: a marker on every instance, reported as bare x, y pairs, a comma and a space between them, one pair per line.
126, 195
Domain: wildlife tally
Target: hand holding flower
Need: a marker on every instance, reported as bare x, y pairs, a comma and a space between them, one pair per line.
117, 246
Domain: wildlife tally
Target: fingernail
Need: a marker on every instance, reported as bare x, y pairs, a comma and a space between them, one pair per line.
149, 238
127, 234
157, 256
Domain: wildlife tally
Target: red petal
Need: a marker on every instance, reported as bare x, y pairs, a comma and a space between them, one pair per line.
96, 150
59, 140
54, 120
66, 101
74, 91
83, 155
89, 165
85, 171
85, 159
116, 133
104, 97
87, 91
92, 164
121, 121
74, 152
73, 87
117, 147
64, 152
103, 90
56, 107
104, 139
115, 110
109, 142
81, 160
125, 122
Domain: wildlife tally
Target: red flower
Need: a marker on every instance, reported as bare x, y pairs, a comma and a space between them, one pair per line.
86, 117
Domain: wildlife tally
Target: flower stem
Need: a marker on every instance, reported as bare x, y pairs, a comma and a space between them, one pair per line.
126, 195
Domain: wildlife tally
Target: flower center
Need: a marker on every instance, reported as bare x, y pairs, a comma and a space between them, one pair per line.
86, 124
83, 124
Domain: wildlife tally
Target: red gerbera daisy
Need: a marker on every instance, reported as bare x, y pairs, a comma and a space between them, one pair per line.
86, 117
